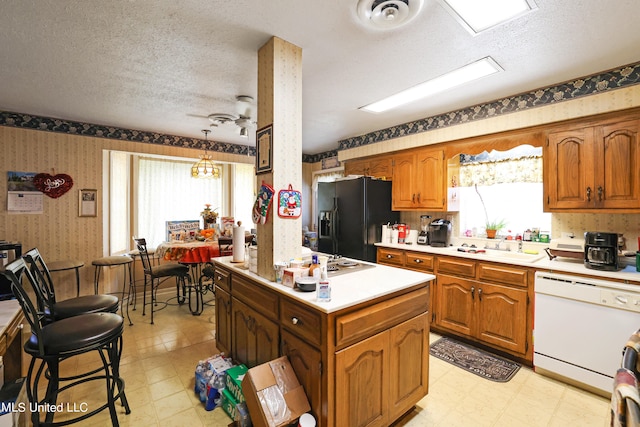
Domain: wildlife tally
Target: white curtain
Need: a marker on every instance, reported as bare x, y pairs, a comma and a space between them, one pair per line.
167, 192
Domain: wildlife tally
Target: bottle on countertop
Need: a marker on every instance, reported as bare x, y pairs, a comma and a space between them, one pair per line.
314, 270
323, 289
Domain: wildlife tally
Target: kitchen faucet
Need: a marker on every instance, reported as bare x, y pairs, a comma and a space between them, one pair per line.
497, 246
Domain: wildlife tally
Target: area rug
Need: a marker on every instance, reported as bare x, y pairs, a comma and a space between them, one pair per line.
476, 361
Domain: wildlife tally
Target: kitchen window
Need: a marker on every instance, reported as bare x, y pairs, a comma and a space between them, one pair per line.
147, 190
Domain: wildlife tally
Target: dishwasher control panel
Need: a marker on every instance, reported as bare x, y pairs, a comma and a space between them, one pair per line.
623, 300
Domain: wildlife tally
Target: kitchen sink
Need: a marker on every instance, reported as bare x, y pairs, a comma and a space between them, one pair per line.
343, 266
498, 255
519, 256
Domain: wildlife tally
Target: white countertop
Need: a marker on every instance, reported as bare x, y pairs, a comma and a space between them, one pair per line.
9, 309
346, 289
564, 265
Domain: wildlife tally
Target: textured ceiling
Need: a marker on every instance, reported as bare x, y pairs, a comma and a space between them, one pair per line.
163, 66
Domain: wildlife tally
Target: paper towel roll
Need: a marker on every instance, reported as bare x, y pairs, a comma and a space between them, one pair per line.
238, 243
385, 234
394, 236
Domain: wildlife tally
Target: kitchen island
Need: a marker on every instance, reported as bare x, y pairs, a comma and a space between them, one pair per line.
362, 358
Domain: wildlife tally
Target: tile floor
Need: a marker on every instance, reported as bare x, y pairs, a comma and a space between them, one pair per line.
159, 360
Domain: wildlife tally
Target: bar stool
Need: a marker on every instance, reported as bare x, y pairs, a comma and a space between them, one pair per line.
56, 310
110, 261
51, 343
69, 264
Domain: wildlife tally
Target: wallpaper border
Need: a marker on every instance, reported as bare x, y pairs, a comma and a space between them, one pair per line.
613, 79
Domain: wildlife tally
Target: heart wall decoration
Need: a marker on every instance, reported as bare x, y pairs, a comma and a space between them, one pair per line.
53, 186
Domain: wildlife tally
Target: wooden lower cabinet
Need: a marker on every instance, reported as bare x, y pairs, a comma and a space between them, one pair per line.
306, 361
359, 366
493, 314
487, 302
393, 368
223, 320
255, 338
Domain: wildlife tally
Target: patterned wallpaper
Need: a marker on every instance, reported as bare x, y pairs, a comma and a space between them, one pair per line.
624, 76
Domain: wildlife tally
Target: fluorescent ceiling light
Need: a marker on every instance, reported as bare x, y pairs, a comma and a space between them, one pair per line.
466, 74
477, 16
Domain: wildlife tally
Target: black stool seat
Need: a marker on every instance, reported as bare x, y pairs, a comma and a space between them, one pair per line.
70, 336
168, 270
84, 305
112, 260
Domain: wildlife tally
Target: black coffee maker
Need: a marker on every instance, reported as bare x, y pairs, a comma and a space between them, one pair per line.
439, 232
601, 251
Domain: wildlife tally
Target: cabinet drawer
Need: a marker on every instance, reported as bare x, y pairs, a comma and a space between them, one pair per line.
495, 273
460, 267
391, 256
301, 321
221, 278
358, 325
255, 296
419, 261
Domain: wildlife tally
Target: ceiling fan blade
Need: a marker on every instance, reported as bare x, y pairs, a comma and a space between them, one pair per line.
199, 116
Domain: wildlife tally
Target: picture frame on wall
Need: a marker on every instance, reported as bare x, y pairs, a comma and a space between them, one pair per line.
264, 148
88, 202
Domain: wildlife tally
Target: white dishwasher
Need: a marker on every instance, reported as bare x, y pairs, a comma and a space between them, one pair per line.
581, 326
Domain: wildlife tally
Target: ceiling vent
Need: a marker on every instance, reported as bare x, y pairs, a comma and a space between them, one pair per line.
388, 14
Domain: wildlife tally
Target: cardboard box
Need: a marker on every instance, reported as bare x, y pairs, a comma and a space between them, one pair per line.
291, 274
274, 382
234, 379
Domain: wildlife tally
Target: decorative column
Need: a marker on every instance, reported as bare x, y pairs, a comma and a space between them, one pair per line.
280, 105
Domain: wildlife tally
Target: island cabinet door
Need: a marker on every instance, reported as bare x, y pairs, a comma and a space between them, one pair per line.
502, 317
409, 364
362, 383
455, 299
307, 364
256, 338
223, 321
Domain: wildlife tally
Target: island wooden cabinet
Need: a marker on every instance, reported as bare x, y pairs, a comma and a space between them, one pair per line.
419, 180
376, 167
593, 167
367, 364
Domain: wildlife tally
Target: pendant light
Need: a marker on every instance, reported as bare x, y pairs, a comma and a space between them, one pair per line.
204, 168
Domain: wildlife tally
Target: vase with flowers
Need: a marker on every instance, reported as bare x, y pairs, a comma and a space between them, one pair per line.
209, 217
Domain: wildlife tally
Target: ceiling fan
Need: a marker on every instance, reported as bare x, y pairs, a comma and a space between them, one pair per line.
243, 117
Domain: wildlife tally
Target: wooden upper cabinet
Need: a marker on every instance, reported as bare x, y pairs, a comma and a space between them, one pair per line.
376, 167
618, 181
593, 167
419, 180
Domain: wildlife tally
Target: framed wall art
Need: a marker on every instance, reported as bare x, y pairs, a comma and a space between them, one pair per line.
88, 202
264, 148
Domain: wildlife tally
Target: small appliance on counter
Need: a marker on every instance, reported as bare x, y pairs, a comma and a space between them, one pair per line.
567, 246
423, 237
601, 251
439, 232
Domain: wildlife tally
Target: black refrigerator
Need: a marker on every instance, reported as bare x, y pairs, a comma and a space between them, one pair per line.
351, 215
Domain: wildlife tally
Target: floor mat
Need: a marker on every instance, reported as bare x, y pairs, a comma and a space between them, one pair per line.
479, 362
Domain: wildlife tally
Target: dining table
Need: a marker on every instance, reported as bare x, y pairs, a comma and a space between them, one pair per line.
197, 256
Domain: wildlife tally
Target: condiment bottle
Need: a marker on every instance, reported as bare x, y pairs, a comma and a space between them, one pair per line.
323, 289
314, 270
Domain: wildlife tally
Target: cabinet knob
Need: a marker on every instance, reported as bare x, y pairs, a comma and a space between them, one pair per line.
219, 278
294, 320
389, 256
600, 193
480, 294
588, 194
417, 261
473, 289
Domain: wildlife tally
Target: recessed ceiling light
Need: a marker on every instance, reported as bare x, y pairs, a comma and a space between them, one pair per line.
477, 16
481, 68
